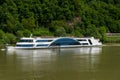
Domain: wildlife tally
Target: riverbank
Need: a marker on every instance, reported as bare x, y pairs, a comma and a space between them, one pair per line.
112, 39
111, 44
2, 46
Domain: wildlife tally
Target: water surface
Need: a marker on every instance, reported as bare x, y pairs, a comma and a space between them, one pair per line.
96, 63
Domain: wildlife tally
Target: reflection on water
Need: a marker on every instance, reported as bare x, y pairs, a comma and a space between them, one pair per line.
87, 63
83, 50
88, 56
51, 64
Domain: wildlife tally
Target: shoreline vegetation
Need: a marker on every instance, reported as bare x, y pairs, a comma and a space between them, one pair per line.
79, 18
112, 38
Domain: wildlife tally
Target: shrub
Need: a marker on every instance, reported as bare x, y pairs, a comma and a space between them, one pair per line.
60, 31
10, 38
19, 34
41, 32
26, 33
2, 36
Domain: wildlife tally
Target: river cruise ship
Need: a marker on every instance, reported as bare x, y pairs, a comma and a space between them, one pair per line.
60, 42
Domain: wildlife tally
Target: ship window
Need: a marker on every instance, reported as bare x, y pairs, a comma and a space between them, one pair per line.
82, 40
90, 41
65, 41
43, 40
24, 40
24, 45
42, 45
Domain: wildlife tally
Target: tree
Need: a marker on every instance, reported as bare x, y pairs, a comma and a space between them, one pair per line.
10, 38
60, 32
92, 31
102, 32
26, 33
18, 16
2, 36
41, 32
28, 23
19, 34
78, 33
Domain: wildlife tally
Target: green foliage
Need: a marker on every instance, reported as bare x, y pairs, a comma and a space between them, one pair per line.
2, 36
102, 32
50, 17
28, 23
10, 38
7, 38
92, 31
26, 33
77, 33
19, 34
54, 24
112, 39
60, 31
41, 32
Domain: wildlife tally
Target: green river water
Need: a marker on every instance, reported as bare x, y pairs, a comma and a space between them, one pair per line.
95, 63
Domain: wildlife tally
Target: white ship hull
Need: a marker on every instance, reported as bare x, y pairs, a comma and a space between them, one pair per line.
48, 43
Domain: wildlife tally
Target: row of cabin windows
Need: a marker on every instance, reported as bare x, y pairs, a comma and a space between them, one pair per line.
26, 41
36, 41
30, 45
67, 40
24, 45
43, 40
53, 44
39, 45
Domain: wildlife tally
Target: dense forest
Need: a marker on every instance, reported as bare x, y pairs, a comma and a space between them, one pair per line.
81, 18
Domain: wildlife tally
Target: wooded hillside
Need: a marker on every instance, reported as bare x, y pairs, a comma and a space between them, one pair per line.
58, 18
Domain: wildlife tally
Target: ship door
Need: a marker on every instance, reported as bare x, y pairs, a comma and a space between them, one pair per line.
90, 41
